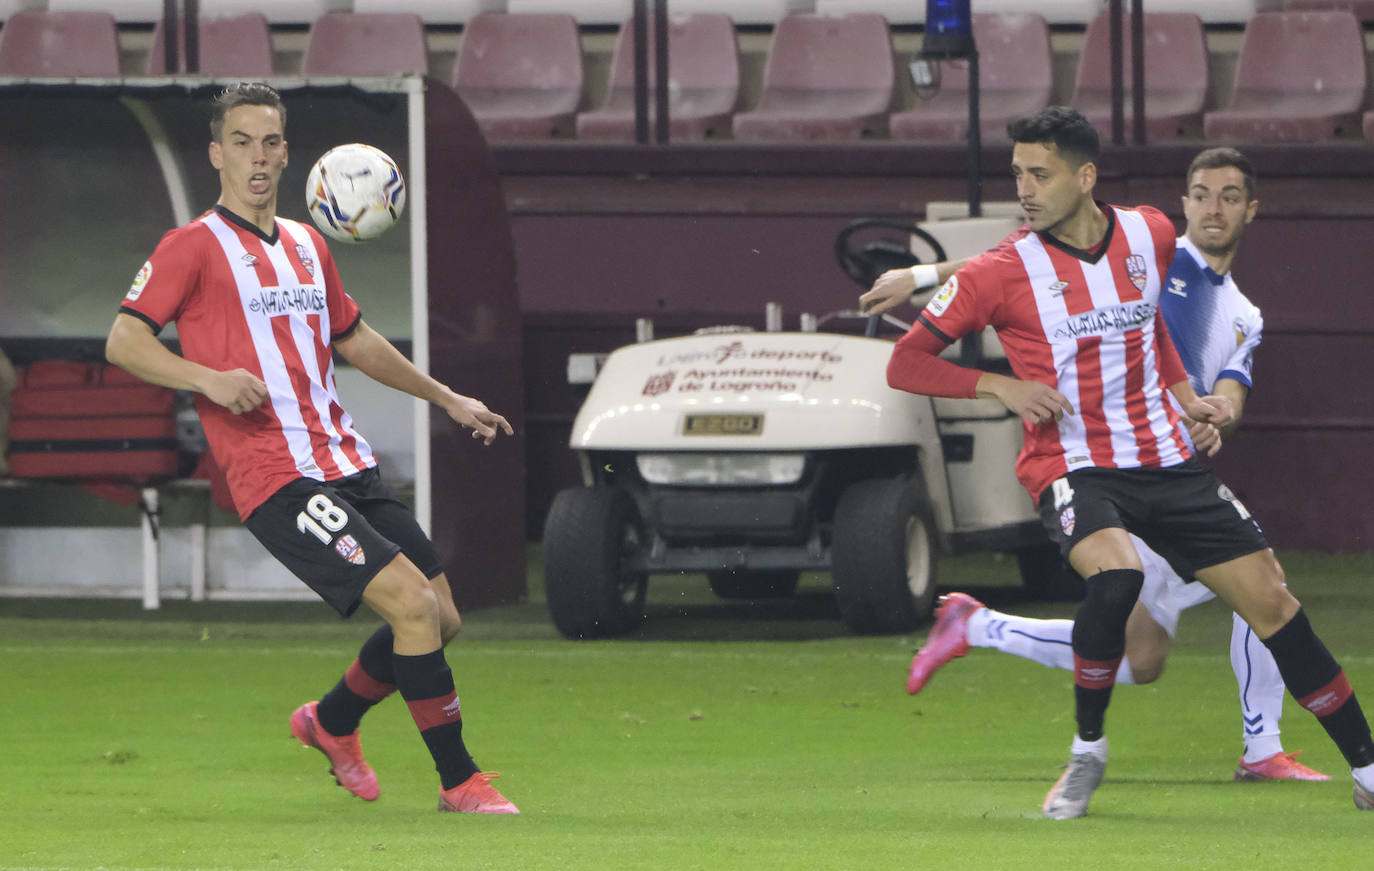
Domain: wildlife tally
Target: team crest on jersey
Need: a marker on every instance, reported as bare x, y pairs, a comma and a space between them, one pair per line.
940, 303
1067, 520
303, 254
1135, 270
349, 549
136, 289
1242, 331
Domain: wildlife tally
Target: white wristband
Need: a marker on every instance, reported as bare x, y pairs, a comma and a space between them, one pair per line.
926, 275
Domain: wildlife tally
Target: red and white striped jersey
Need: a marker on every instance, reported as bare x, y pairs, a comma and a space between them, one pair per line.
270, 305
1086, 324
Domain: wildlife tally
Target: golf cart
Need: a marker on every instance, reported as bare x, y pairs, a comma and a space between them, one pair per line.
753, 456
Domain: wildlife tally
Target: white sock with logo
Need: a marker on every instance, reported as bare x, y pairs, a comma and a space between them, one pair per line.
1096, 748
1261, 692
1048, 642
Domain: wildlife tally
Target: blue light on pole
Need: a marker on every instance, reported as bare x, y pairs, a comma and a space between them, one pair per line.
949, 29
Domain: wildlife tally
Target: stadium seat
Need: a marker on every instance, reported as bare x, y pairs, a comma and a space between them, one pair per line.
703, 81
1300, 77
363, 44
825, 78
582, 11
1362, 9
236, 46
1015, 78
1176, 75
42, 44
521, 75
435, 11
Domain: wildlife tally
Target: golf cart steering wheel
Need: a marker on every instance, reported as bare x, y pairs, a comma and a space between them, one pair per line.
864, 265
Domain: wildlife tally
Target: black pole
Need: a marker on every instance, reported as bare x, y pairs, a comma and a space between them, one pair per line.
191, 14
1138, 69
641, 34
975, 142
1118, 91
661, 71
169, 36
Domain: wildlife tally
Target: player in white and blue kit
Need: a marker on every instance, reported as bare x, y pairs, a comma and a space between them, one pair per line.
1216, 330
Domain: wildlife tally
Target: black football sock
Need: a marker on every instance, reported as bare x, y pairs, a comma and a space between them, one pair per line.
1318, 683
368, 680
426, 683
1099, 642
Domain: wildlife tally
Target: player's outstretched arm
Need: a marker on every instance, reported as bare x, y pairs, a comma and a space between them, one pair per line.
132, 346
916, 284
379, 360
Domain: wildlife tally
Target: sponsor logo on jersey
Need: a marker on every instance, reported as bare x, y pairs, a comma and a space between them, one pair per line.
249, 258
1058, 288
136, 289
1067, 520
1178, 287
304, 299
1112, 320
308, 262
659, 383
1135, 270
349, 549
940, 303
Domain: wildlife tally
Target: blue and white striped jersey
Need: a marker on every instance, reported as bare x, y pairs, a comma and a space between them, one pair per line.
1214, 327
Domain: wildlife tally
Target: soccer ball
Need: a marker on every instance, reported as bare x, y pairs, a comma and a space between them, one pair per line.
355, 192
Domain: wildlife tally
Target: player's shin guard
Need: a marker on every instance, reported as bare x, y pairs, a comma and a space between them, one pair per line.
368, 680
1316, 680
426, 683
1099, 642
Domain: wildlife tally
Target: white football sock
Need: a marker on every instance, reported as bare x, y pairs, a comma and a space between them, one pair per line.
1261, 692
1096, 748
1048, 642
1364, 776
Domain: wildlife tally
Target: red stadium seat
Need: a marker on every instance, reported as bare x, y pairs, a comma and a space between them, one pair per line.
703, 81
239, 45
1176, 74
363, 44
1300, 77
825, 78
521, 75
1015, 78
40, 44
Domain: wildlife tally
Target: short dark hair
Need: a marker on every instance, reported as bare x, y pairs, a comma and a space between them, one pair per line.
1072, 134
243, 94
1223, 156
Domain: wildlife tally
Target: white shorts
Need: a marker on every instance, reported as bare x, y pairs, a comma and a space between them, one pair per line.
1165, 595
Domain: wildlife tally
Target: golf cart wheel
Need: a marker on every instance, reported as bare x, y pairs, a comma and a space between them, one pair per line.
883, 555
587, 536
753, 584
1046, 575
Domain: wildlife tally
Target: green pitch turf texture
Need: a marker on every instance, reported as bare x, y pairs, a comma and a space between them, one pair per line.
721, 736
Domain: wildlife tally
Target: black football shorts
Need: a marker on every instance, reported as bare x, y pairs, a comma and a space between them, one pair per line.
1183, 512
336, 535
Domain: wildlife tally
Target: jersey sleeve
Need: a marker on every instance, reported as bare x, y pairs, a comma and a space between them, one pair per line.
167, 280
960, 307
1248, 327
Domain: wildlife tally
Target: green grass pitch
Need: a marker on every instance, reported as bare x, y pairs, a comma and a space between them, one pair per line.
721, 736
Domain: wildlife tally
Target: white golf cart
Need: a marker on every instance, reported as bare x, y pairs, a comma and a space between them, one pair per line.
754, 456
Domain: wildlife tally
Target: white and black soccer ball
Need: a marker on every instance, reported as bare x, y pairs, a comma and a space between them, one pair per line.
355, 192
